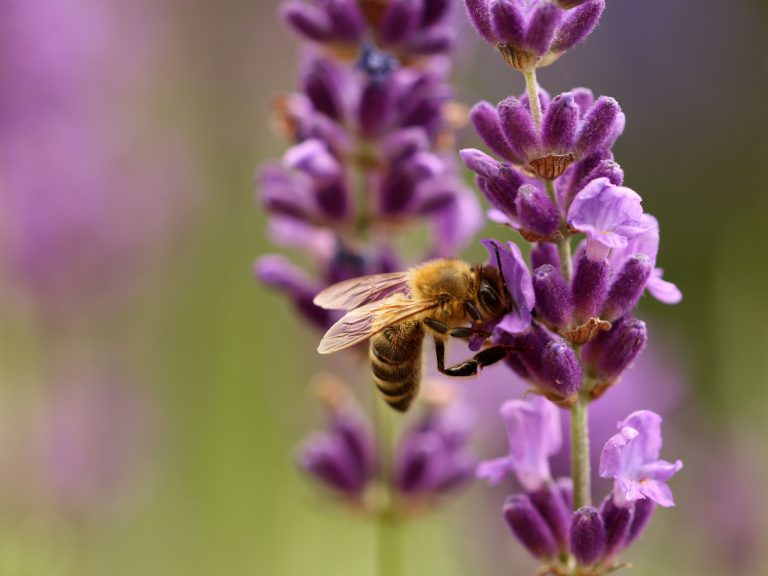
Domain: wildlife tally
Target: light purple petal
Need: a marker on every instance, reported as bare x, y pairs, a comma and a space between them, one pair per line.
519, 283
611, 459
495, 470
609, 215
659, 492
662, 290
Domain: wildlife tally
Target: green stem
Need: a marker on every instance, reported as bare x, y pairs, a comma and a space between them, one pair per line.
580, 472
532, 85
564, 244
388, 557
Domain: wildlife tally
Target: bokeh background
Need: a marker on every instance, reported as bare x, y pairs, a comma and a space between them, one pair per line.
152, 394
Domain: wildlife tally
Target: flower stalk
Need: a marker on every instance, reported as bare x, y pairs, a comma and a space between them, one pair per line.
580, 467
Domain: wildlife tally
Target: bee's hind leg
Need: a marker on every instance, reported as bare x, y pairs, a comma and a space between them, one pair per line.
471, 367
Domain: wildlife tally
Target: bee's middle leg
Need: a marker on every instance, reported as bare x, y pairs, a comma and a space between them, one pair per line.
471, 367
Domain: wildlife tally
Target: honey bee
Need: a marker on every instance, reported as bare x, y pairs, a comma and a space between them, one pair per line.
397, 310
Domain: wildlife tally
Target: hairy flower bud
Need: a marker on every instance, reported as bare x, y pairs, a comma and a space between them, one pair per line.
627, 287
548, 500
610, 353
529, 527
536, 212
590, 283
553, 297
560, 368
617, 521
587, 536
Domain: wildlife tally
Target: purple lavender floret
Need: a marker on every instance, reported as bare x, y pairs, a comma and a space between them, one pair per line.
534, 434
574, 127
609, 215
631, 458
530, 528
410, 28
517, 279
343, 458
612, 352
533, 34
433, 457
587, 536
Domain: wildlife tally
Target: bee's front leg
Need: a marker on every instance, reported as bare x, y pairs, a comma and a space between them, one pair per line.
462, 332
471, 367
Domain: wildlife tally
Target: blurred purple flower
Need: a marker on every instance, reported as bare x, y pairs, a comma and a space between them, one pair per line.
411, 28
631, 457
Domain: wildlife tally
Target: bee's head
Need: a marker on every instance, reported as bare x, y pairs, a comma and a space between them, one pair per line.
491, 300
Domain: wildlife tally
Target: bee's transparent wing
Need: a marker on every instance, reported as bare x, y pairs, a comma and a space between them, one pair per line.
357, 292
363, 322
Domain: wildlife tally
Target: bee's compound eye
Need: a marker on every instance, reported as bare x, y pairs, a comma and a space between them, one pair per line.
489, 299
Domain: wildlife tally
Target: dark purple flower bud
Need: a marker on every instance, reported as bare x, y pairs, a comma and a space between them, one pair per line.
560, 368
404, 143
610, 353
627, 287
346, 19
529, 527
617, 521
401, 19
498, 182
553, 509
434, 11
519, 128
559, 124
598, 126
536, 212
544, 253
322, 84
436, 40
587, 536
479, 12
579, 174
508, 22
376, 106
432, 457
487, 124
643, 512
309, 21
542, 26
553, 297
590, 284
343, 457
578, 24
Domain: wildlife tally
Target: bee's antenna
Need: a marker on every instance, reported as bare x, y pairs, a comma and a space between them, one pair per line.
501, 271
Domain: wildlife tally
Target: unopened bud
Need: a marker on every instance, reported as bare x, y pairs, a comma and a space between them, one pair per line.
529, 527
553, 298
587, 536
627, 287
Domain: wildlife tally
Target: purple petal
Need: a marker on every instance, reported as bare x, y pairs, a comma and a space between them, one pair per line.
578, 24
313, 158
542, 27
662, 290
346, 19
309, 21
598, 126
518, 280
611, 458
479, 12
400, 20
495, 470
508, 22
519, 128
558, 130
486, 121
609, 215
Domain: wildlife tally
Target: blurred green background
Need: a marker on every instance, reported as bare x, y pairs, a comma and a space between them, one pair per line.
188, 457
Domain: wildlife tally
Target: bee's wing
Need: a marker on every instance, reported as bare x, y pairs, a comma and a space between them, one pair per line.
363, 322
357, 292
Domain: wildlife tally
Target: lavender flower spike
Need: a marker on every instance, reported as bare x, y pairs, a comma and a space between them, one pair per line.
533, 429
609, 215
631, 457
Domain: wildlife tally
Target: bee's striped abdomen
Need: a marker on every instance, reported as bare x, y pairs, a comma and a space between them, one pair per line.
396, 362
